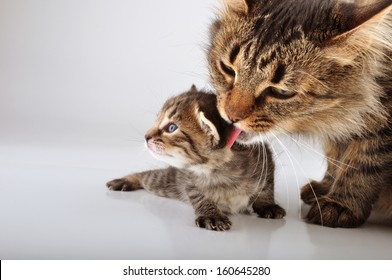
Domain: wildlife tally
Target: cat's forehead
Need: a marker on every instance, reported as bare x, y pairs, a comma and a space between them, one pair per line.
278, 22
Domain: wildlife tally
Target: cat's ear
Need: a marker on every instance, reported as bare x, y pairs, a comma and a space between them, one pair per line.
352, 17
207, 126
239, 6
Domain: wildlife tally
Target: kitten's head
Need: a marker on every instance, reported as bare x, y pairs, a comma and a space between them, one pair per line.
190, 132
307, 66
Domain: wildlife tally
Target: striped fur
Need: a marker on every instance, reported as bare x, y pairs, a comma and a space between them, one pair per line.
215, 179
314, 67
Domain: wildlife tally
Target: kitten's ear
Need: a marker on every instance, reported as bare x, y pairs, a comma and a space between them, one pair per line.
239, 6
352, 17
193, 88
207, 126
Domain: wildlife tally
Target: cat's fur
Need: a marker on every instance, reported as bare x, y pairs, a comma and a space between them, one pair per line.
215, 179
314, 67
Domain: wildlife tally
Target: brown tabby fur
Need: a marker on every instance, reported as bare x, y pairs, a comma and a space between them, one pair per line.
215, 179
314, 67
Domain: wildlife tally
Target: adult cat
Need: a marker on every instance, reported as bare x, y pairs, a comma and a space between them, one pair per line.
320, 68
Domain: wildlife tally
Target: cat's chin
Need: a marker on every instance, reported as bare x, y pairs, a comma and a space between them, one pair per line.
251, 138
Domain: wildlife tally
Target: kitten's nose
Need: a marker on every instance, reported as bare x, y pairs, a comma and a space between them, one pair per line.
151, 133
147, 137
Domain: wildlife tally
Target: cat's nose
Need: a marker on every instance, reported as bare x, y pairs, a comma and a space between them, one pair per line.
232, 117
238, 106
235, 115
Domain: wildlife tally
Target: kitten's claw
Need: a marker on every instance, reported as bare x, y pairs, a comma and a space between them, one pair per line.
270, 211
329, 213
217, 223
122, 184
313, 191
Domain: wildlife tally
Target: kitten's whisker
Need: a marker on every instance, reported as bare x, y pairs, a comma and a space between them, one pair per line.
136, 141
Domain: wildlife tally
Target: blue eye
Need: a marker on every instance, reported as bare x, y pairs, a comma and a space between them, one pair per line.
170, 128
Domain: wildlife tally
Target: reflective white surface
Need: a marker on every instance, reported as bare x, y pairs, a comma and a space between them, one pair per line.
54, 205
80, 83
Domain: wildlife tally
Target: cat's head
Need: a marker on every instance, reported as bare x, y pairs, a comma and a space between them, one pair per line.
299, 66
190, 132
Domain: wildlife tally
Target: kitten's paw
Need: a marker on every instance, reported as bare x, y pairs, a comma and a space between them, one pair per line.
123, 184
329, 213
218, 223
313, 190
270, 211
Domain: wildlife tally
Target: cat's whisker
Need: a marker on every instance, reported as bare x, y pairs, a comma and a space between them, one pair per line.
261, 174
290, 159
303, 173
284, 175
337, 163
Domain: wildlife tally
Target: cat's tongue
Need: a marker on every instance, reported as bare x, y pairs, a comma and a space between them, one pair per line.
233, 136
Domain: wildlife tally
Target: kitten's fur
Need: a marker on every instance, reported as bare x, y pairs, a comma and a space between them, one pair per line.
314, 67
215, 179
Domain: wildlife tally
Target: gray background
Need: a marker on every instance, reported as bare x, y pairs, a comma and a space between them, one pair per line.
80, 83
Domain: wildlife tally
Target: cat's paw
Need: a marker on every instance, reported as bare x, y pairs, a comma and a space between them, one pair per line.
312, 191
330, 213
217, 223
123, 184
270, 211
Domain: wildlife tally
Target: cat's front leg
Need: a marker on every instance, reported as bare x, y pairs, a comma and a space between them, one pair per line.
127, 183
311, 192
208, 214
354, 190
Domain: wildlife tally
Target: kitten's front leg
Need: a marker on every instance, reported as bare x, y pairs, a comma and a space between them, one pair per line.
162, 182
264, 204
208, 214
127, 183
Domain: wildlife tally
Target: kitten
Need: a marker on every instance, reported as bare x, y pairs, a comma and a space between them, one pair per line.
216, 179
314, 67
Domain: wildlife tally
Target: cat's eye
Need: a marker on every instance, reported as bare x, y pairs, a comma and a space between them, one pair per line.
170, 128
227, 69
280, 93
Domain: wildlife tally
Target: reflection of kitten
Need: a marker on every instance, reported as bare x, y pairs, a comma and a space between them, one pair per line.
190, 135
320, 68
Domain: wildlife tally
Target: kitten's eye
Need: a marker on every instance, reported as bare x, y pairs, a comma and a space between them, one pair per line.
227, 69
170, 128
280, 93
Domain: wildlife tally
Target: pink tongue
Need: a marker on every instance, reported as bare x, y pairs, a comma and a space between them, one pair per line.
233, 136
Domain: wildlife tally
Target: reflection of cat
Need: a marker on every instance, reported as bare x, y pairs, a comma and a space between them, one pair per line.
216, 179
314, 67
